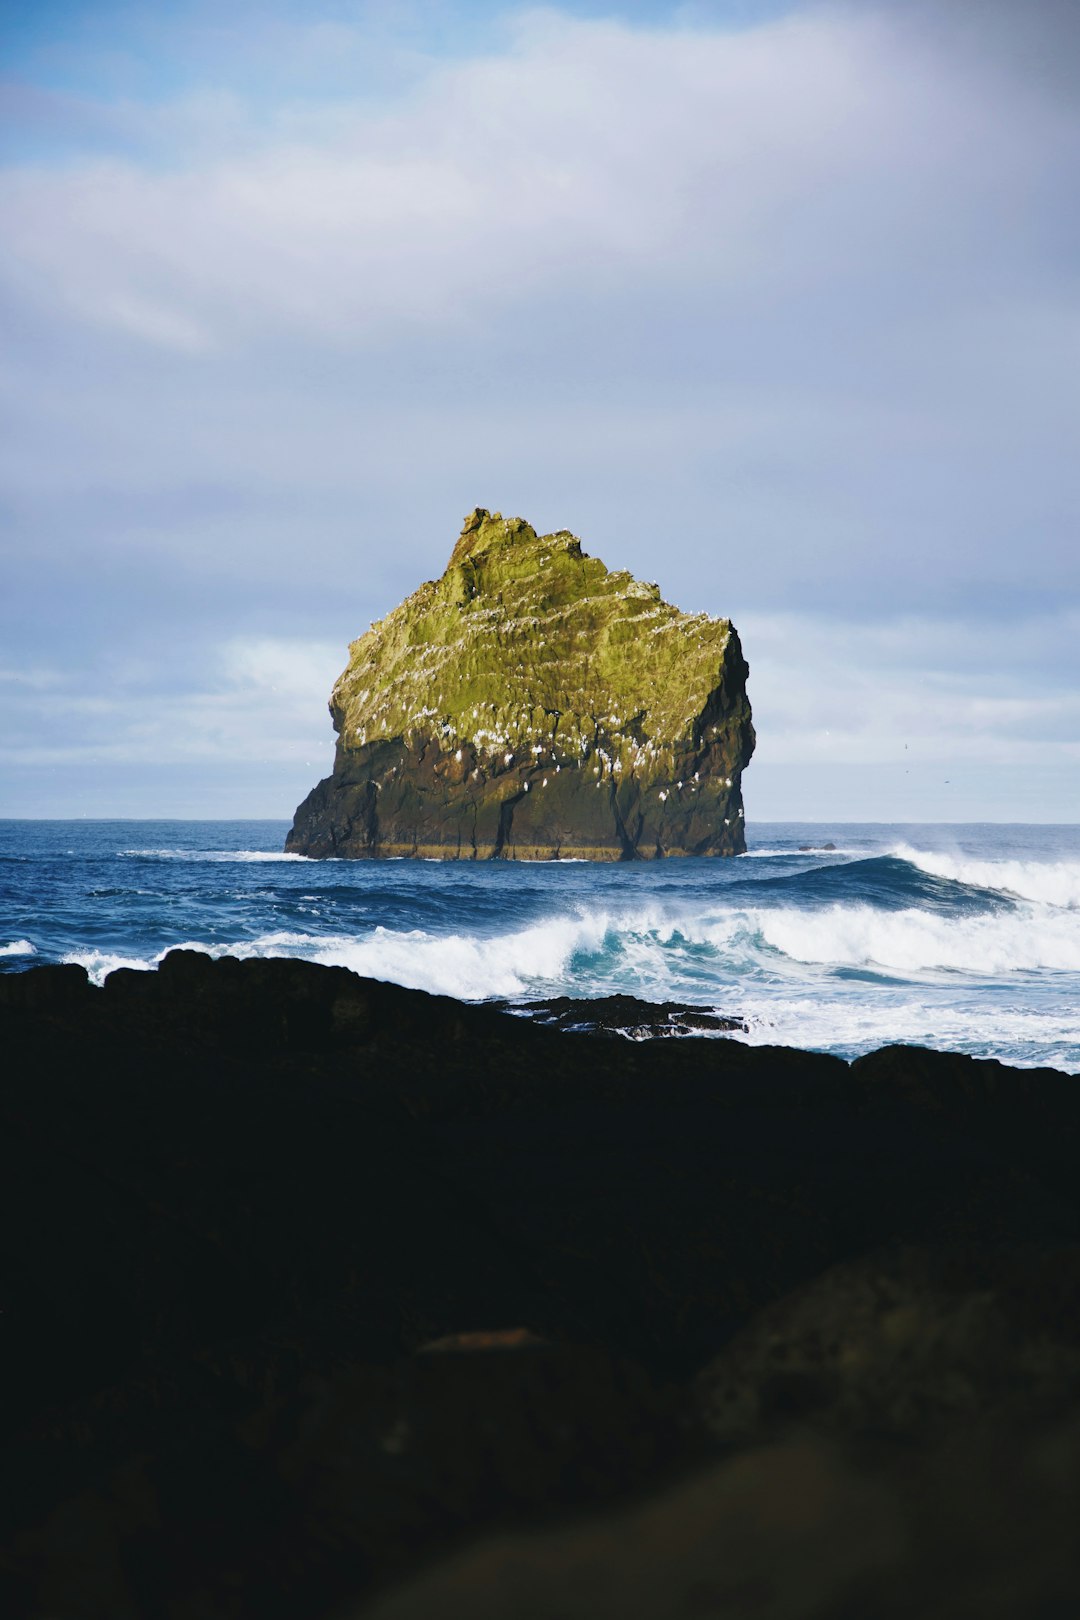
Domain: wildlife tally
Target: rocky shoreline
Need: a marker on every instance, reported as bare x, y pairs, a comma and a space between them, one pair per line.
325, 1297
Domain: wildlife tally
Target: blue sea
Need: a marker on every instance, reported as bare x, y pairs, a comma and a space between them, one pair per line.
960, 937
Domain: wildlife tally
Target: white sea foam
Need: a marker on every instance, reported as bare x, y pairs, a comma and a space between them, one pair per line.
774, 966
665, 951
99, 964
1020, 1036
1053, 883
468, 966
914, 942
18, 947
242, 855
908, 942
796, 849
658, 950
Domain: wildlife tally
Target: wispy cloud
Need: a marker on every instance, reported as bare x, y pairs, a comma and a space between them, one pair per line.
801, 157
785, 316
259, 699
936, 690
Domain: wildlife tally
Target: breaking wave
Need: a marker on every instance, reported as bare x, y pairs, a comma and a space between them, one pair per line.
968, 938
470, 967
99, 964
1023, 1036
913, 942
670, 952
1052, 883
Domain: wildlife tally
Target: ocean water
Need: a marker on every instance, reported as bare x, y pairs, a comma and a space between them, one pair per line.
959, 937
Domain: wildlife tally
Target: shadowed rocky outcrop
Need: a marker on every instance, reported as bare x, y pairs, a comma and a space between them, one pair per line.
531, 704
308, 1282
624, 1015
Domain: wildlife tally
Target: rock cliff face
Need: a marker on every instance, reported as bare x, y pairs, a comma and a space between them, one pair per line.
531, 704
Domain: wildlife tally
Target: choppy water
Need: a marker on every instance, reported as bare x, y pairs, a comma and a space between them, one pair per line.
966, 937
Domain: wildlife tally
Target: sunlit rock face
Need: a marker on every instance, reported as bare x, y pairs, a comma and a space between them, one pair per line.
531, 704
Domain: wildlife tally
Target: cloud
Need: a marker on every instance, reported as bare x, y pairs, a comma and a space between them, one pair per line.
785, 317
910, 719
800, 156
934, 690
259, 699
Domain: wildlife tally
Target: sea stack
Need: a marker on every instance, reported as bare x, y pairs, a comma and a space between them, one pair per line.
530, 705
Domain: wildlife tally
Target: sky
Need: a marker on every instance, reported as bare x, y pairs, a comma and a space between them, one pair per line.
776, 304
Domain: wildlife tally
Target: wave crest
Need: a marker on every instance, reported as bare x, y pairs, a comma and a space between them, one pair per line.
914, 942
667, 953
1049, 883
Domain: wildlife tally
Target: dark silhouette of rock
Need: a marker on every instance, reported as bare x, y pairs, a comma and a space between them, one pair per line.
800, 1529
310, 1280
531, 704
904, 1343
623, 1015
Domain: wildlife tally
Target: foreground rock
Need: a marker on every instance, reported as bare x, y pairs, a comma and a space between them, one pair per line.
982, 1526
311, 1281
624, 1015
902, 1438
530, 704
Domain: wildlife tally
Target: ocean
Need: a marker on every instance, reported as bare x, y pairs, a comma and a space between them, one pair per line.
835, 937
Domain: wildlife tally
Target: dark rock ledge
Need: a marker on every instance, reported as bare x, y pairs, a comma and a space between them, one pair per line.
322, 1297
623, 1015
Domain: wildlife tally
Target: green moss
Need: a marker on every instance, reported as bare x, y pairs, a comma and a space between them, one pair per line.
526, 641
532, 699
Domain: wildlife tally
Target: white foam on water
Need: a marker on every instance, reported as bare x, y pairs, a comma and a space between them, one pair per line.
242, 855
1024, 939
911, 941
99, 964
653, 945
787, 854
1019, 1036
1051, 883
18, 947
660, 948
776, 966
468, 966
651, 958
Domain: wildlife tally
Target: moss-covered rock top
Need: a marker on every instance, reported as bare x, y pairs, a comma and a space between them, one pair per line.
481, 717
527, 643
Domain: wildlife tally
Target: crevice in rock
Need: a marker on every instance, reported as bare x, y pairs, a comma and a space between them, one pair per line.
629, 848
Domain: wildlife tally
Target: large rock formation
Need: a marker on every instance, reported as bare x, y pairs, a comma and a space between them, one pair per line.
531, 704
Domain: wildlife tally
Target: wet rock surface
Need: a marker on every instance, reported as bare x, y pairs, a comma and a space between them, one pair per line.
532, 704
325, 1297
623, 1015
